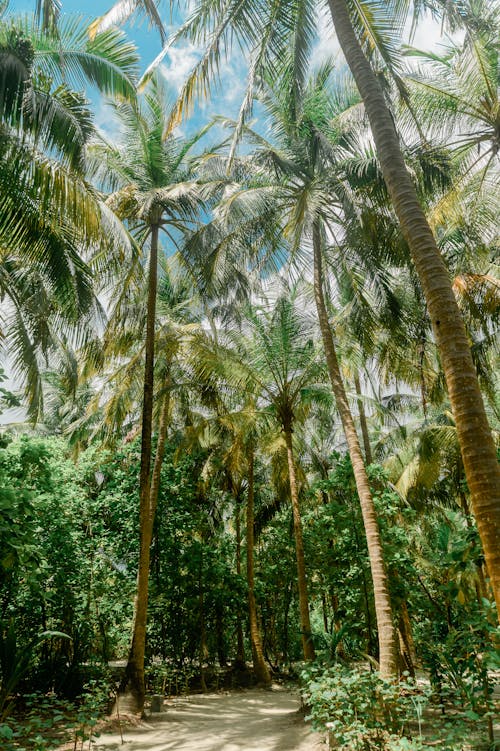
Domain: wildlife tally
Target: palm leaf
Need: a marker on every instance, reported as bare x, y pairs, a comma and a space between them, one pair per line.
121, 11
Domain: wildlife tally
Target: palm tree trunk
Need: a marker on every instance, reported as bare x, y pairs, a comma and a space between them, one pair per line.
386, 632
305, 622
286, 617
362, 421
406, 642
160, 451
203, 650
134, 674
239, 662
259, 665
474, 434
325, 612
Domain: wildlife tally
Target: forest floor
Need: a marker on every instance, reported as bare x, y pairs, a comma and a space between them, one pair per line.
247, 720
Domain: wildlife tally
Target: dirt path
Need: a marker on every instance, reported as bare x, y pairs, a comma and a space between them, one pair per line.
252, 720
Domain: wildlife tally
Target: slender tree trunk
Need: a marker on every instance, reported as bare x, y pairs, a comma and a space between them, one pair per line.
219, 632
154, 564
156, 476
203, 651
386, 632
160, 451
406, 642
474, 434
240, 650
423, 385
286, 618
259, 664
362, 421
305, 622
337, 624
325, 612
134, 675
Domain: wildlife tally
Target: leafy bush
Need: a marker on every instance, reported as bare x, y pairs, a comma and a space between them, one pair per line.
460, 666
360, 710
44, 722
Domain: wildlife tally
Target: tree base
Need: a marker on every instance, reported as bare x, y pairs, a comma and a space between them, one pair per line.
127, 703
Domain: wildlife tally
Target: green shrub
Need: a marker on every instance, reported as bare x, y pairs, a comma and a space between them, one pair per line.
361, 711
461, 666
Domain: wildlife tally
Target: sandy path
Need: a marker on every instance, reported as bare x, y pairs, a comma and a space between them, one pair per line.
252, 720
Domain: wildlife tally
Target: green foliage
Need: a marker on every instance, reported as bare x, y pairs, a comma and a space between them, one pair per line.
45, 722
276, 588
15, 663
52, 574
460, 666
7, 398
191, 556
360, 710
336, 546
70, 565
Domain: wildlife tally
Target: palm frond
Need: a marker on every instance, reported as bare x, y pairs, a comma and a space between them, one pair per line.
122, 10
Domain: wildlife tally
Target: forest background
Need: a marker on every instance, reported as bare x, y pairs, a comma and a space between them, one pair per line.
167, 302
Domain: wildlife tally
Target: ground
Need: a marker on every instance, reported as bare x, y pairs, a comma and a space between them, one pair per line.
253, 720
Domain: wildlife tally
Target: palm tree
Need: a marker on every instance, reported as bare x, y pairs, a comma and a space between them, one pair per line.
308, 135
234, 429
267, 32
310, 147
259, 665
45, 127
154, 193
240, 459
277, 363
383, 609
476, 442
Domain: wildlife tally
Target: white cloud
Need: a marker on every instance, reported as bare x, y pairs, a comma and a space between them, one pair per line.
232, 76
107, 123
427, 34
326, 45
181, 60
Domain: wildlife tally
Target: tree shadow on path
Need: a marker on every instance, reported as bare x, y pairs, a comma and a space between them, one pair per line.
254, 720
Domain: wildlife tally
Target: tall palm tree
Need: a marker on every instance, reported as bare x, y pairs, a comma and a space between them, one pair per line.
278, 364
365, 30
242, 427
260, 668
239, 460
153, 191
475, 438
234, 428
114, 412
308, 137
